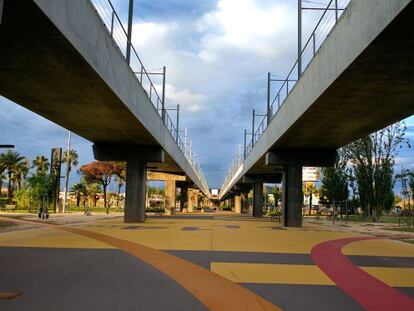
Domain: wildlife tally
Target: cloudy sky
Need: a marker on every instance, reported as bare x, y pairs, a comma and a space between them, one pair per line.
217, 53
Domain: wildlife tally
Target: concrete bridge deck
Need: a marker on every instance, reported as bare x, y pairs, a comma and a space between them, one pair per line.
59, 60
360, 80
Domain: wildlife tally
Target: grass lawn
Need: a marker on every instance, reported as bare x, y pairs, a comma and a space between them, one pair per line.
386, 219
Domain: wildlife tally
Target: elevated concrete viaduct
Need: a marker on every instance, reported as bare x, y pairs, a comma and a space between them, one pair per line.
360, 80
59, 60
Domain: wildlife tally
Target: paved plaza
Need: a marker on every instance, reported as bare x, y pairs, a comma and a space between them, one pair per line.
198, 262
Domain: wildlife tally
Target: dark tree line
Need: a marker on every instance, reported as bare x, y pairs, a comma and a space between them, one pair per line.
367, 167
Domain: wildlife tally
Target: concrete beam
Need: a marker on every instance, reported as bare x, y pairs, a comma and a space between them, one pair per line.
122, 152
320, 158
165, 176
263, 178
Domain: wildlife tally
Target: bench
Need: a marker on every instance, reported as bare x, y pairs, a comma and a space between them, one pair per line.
159, 213
275, 218
9, 207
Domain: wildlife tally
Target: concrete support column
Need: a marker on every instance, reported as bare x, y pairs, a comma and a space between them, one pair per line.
245, 202
137, 158
135, 190
196, 194
293, 195
183, 198
237, 204
170, 196
1, 10
258, 199
190, 203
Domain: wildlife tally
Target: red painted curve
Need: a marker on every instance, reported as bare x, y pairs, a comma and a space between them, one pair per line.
368, 291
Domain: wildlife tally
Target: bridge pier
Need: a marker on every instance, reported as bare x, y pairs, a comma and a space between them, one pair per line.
137, 158
135, 190
171, 182
170, 196
292, 162
292, 195
237, 204
183, 194
258, 199
245, 201
192, 199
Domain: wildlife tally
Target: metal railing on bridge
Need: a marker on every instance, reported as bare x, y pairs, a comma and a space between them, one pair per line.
329, 18
116, 29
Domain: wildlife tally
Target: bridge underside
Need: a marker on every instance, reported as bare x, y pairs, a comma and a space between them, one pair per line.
43, 72
375, 89
58, 60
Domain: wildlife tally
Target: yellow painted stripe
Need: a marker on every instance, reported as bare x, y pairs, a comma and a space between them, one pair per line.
395, 277
50, 238
379, 247
271, 273
303, 274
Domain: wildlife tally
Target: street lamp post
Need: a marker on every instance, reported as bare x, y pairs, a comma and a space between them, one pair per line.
299, 38
129, 30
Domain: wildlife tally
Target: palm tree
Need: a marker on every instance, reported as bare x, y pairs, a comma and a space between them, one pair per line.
21, 171
93, 189
9, 161
71, 158
79, 190
310, 190
41, 163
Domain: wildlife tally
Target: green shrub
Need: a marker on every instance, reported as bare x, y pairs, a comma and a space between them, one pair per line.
155, 210
22, 198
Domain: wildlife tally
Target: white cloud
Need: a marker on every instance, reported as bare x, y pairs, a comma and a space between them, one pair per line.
145, 32
186, 99
244, 26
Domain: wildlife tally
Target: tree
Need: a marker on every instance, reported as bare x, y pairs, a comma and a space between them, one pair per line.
100, 172
41, 164
92, 190
335, 179
41, 187
310, 190
70, 157
9, 162
2, 171
406, 178
79, 190
21, 171
120, 179
372, 160
277, 195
